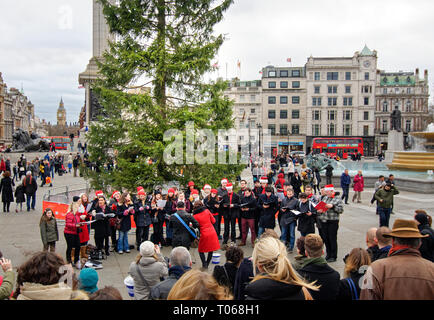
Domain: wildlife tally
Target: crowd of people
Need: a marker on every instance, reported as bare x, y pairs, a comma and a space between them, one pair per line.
192, 219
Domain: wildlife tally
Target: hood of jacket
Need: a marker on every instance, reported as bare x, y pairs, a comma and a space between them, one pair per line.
318, 265
178, 271
36, 291
146, 261
199, 210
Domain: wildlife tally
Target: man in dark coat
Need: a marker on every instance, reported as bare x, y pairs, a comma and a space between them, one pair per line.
221, 191
179, 263
427, 247
231, 206
30, 187
287, 219
269, 205
6, 190
329, 173
181, 236
345, 185
315, 268
384, 244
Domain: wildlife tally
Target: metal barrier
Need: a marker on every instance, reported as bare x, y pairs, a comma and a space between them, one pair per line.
66, 193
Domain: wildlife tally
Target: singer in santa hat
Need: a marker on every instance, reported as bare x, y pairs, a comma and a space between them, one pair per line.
330, 221
142, 216
113, 205
231, 205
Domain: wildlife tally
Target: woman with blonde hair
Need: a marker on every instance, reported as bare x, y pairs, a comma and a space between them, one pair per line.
356, 264
275, 279
197, 285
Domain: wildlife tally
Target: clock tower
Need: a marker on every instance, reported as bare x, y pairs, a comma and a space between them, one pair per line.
61, 114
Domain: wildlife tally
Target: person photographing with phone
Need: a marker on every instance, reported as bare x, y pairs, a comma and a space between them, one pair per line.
7, 284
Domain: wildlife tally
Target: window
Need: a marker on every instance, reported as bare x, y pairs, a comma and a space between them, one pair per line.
347, 89
384, 90
283, 73
271, 100
252, 97
272, 129
409, 90
295, 73
347, 114
272, 74
332, 115
384, 126
316, 129
283, 114
295, 100
295, 114
316, 89
296, 84
348, 101
331, 129
331, 101
347, 75
295, 129
316, 115
366, 75
272, 84
408, 106
366, 89
407, 125
283, 100
271, 114
242, 97
385, 106
366, 101
284, 84
283, 129
252, 110
347, 130
317, 76
366, 131
241, 111
332, 75
366, 115
333, 89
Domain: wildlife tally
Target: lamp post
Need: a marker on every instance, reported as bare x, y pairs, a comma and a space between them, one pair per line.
260, 134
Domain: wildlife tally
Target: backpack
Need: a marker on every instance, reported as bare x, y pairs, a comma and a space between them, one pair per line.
354, 295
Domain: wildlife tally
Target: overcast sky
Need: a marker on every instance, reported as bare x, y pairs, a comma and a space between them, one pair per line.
44, 45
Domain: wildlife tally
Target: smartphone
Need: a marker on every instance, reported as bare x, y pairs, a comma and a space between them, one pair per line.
1, 255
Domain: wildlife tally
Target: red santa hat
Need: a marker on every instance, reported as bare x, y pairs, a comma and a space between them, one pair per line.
207, 186
329, 187
191, 183
141, 191
229, 186
194, 191
224, 180
263, 180
99, 193
114, 192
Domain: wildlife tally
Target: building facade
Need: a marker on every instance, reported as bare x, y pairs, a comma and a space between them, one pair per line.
284, 108
341, 98
406, 91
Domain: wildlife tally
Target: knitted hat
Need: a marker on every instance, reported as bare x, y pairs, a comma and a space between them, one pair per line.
141, 191
190, 183
147, 249
194, 191
171, 190
88, 280
281, 175
214, 191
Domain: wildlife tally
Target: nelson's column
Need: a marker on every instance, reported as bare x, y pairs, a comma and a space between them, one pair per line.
100, 39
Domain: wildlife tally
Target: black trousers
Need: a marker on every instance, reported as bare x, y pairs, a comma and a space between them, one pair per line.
219, 223
158, 232
113, 237
142, 234
345, 193
208, 259
330, 234
229, 225
6, 206
102, 243
328, 179
72, 241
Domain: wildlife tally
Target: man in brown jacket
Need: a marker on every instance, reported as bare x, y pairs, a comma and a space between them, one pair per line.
404, 274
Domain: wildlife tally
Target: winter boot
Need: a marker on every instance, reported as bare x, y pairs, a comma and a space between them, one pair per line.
83, 255
72, 254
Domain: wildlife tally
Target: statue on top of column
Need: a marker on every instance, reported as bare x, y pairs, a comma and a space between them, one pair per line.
396, 120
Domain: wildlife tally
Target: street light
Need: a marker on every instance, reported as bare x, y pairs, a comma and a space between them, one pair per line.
260, 134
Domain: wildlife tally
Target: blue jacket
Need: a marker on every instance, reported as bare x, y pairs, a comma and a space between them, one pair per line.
345, 180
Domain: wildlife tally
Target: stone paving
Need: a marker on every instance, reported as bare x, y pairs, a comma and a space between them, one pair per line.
20, 238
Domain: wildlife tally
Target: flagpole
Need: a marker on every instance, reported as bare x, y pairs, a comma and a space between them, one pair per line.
226, 71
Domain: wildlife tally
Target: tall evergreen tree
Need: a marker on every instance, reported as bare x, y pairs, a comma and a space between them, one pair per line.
169, 44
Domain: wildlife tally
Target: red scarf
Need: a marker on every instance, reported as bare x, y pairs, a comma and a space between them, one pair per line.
396, 248
310, 196
230, 197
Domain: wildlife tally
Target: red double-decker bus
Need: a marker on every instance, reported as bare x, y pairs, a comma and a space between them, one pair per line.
60, 142
337, 147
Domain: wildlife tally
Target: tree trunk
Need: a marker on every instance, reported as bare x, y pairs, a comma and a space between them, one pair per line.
160, 82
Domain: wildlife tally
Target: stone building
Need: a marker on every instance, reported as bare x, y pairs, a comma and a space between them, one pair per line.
341, 98
284, 107
407, 91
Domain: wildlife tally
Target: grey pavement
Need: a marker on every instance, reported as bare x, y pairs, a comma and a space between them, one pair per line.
19, 232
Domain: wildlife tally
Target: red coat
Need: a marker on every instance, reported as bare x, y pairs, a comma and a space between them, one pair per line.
359, 183
70, 223
2, 165
208, 236
84, 235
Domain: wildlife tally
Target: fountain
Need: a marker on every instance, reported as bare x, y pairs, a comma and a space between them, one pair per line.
416, 159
